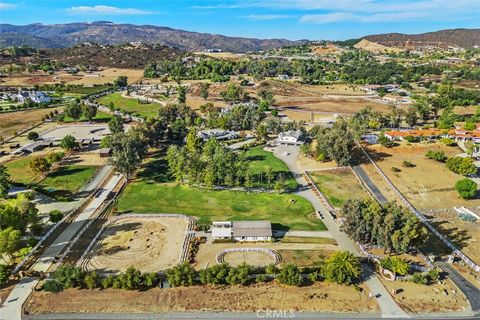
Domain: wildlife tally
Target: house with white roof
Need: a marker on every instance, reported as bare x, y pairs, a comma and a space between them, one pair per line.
292, 137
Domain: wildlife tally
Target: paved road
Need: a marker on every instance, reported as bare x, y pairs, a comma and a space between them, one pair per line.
11, 309
387, 305
373, 188
262, 314
469, 290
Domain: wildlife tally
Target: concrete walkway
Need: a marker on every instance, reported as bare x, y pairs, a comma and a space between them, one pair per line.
11, 308
309, 234
387, 305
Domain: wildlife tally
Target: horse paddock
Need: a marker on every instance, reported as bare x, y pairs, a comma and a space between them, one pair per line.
148, 244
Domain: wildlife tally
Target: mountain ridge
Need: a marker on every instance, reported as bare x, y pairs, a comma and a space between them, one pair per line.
105, 32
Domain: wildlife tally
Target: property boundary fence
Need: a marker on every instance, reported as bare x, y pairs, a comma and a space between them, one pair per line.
421, 217
220, 258
186, 243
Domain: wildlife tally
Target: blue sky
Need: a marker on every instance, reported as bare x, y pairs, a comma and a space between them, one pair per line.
291, 19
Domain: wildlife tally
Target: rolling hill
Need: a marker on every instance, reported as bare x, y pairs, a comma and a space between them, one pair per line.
104, 32
465, 38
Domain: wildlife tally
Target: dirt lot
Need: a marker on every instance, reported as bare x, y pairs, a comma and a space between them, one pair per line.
150, 245
466, 235
429, 185
208, 251
89, 79
86, 158
321, 297
251, 258
18, 121
418, 298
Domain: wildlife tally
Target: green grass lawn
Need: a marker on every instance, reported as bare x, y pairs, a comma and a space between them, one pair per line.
208, 206
69, 178
338, 186
100, 117
85, 90
19, 170
130, 105
61, 183
260, 160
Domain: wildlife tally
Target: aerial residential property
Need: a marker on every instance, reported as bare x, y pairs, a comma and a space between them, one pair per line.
239, 159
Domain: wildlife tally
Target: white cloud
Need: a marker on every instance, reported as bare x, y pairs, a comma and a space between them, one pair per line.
6, 6
266, 17
371, 11
106, 10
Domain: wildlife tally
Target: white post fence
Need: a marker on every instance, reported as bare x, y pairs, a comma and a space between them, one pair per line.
421, 217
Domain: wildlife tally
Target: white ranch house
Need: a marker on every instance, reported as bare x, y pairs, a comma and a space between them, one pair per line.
292, 137
248, 231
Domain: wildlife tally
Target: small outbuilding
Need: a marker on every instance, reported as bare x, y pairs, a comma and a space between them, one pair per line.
105, 152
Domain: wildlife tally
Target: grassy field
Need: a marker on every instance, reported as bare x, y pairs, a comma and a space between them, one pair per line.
260, 161
208, 206
59, 184
19, 170
68, 178
338, 186
130, 105
100, 117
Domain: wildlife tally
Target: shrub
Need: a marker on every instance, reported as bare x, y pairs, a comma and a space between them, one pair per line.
151, 279
68, 276
68, 143
411, 139
52, 286
32, 135
91, 280
216, 274
271, 269
463, 166
420, 278
395, 169
439, 156
108, 282
407, 164
395, 264
290, 275
433, 275
466, 188
54, 157
4, 274
261, 278
55, 216
448, 142
238, 275
181, 275
314, 276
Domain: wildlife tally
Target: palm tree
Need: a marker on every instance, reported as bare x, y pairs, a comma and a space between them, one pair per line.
342, 267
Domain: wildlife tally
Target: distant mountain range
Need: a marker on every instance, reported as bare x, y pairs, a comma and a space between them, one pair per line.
465, 38
104, 32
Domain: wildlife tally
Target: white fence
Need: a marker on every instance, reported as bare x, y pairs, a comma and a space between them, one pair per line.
422, 218
220, 258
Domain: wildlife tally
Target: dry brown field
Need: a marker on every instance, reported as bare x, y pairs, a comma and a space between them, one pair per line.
429, 185
11, 122
419, 298
260, 259
88, 79
150, 245
319, 297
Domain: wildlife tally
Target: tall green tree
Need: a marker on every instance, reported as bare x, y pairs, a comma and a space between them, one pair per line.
89, 111
116, 124
74, 111
5, 181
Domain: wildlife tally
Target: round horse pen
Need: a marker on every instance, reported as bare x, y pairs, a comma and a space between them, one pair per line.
253, 256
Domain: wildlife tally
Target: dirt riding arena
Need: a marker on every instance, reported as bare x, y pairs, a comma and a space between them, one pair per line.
148, 244
252, 256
